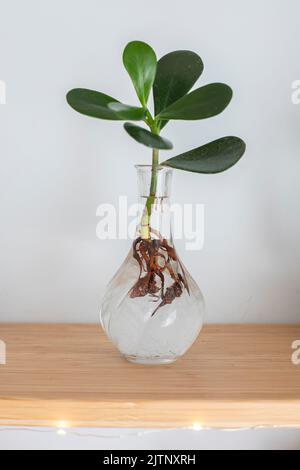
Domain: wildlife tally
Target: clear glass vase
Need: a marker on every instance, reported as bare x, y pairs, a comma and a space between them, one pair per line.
153, 310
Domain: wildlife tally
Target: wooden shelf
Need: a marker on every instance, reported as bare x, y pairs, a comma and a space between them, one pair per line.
70, 375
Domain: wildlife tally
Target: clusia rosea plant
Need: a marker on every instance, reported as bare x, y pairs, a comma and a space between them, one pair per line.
152, 269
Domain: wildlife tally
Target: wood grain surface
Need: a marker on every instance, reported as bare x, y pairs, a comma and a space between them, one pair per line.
235, 376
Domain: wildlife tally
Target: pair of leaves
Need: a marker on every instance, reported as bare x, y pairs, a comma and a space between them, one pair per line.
215, 157
176, 74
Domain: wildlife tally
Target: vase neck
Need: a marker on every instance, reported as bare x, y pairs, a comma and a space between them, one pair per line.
154, 187
163, 180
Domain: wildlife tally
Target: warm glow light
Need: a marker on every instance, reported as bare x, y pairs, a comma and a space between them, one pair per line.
62, 424
197, 426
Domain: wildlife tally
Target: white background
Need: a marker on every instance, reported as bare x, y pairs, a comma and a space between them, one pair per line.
58, 166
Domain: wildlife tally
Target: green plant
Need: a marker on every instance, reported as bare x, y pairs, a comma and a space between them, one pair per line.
171, 79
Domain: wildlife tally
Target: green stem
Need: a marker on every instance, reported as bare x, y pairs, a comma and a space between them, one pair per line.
146, 231
153, 184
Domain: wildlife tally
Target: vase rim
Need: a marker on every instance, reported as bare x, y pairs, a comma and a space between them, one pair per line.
146, 167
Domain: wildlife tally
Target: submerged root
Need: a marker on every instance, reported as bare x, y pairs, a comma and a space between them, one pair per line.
155, 259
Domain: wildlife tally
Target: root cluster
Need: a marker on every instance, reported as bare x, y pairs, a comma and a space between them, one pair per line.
155, 258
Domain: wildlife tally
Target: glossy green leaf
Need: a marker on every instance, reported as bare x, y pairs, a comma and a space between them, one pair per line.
140, 62
143, 136
124, 111
215, 157
92, 103
176, 74
201, 103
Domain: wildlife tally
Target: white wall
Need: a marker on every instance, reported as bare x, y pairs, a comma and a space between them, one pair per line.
58, 166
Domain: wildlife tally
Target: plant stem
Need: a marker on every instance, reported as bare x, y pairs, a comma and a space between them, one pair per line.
145, 225
153, 184
146, 231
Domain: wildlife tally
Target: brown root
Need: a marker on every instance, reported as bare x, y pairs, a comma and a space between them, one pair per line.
155, 259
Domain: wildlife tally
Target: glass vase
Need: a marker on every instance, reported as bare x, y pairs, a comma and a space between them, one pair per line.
152, 309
